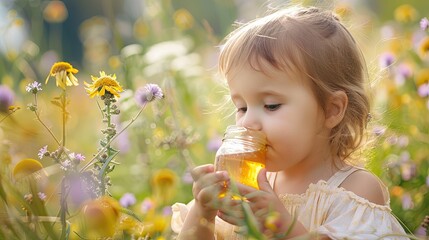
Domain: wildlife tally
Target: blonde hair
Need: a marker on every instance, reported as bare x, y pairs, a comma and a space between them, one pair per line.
313, 43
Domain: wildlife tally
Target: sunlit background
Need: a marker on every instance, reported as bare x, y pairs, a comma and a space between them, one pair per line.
175, 44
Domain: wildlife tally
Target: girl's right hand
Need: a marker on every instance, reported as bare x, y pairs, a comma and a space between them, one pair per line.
207, 186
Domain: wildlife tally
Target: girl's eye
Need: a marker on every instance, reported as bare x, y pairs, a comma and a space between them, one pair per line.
272, 107
242, 109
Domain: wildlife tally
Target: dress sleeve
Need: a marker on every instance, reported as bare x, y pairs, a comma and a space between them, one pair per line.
180, 211
353, 217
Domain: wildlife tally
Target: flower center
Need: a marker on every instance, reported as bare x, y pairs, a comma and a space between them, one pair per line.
60, 66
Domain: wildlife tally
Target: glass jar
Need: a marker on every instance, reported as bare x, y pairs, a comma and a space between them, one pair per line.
242, 154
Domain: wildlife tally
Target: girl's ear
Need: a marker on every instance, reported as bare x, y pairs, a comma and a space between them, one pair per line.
335, 109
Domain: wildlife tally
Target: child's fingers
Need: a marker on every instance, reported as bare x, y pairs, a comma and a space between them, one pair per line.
234, 218
199, 171
209, 179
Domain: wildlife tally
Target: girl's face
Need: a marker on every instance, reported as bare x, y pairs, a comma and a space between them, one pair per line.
285, 109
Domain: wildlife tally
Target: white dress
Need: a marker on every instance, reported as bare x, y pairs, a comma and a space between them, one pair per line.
325, 208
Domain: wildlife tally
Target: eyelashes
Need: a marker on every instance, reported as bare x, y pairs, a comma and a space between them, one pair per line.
269, 107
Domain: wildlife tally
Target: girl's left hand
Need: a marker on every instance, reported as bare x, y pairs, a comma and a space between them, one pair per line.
265, 205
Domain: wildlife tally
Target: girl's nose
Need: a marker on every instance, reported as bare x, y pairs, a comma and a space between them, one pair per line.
251, 121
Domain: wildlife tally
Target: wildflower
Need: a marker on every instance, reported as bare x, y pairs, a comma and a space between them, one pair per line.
424, 46
6, 98
55, 12
405, 13
26, 167
183, 19
407, 202
164, 183
386, 59
128, 199
146, 205
214, 143
28, 197
273, 221
148, 93
66, 165
379, 130
43, 151
402, 73
423, 90
422, 77
42, 196
63, 73
33, 87
424, 24
101, 85
102, 215
77, 157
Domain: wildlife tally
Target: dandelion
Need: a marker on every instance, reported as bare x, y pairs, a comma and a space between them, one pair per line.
128, 199
63, 73
6, 98
148, 93
33, 87
424, 24
405, 13
43, 151
101, 85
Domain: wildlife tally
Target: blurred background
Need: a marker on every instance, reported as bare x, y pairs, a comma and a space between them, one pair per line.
175, 44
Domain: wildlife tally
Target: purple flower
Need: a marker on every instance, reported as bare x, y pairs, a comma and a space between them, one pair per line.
424, 90
187, 178
146, 205
379, 130
33, 87
42, 152
42, 196
386, 59
148, 93
6, 98
214, 143
77, 157
407, 201
427, 180
167, 211
402, 73
424, 24
128, 199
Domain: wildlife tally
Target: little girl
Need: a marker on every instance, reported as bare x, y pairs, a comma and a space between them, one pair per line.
298, 76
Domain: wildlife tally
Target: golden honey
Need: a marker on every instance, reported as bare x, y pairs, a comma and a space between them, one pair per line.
242, 155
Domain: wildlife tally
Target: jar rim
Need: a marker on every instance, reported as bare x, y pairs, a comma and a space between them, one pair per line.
245, 133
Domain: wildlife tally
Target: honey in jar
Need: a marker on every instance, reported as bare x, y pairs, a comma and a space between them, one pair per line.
242, 154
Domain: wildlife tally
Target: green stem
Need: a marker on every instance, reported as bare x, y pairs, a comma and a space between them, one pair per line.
109, 152
44, 125
113, 138
63, 99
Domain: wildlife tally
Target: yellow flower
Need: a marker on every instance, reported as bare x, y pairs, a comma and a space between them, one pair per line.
405, 13
164, 183
422, 77
55, 12
63, 73
424, 46
183, 19
101, 85
102, 216
26, 167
